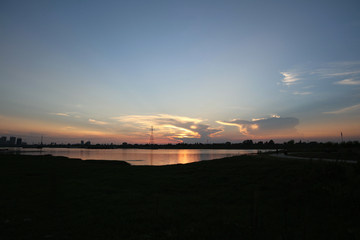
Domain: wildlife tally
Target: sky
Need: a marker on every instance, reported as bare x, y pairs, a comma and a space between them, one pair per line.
197, 71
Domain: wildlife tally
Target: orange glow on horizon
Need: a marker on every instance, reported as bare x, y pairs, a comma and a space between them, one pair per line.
329, 130
10, 124
168, 133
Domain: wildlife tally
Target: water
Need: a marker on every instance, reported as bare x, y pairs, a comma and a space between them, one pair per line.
141, 156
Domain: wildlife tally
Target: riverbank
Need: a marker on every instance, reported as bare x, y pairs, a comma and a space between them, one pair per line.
246, 197
311, 156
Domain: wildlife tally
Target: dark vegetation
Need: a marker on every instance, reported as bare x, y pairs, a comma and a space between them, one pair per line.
329, 150
247, 197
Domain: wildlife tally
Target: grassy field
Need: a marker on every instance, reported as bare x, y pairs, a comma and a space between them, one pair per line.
327, 155
247, 197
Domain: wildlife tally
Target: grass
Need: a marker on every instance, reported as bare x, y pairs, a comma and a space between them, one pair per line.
328, 155
247, 197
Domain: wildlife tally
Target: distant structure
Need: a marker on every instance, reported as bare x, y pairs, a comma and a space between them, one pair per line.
152, 136
342, 138
3, 140
12, 140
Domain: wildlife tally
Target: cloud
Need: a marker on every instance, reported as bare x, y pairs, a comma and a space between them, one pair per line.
345, 63
170, 126
338, 70
345, 110
320, 78
263, 126
61, 114
67, 114
156, 119
349, 81
241, 124
337, 74
289, 78
302, 93
92, 121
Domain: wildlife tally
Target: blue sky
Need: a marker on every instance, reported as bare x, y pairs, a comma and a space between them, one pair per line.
196, 70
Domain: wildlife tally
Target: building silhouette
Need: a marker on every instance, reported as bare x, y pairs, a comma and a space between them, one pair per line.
19, 141
12, 140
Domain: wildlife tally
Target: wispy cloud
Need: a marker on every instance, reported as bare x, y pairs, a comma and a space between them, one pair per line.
243, 126
67, 114
93, 121
263, 126
170, 126
66, 128
345, 63
349, 81
345, 110
337, 74
338, 69
156, 119
289, 78
301, 93
308, 87
319, 78
61, 114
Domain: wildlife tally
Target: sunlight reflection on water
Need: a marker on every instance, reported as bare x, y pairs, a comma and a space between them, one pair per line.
143, 156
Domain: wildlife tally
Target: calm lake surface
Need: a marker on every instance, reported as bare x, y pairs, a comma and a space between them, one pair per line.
141, 156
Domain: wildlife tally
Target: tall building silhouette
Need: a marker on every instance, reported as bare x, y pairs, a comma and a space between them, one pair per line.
3, 140
12, 140
19, 141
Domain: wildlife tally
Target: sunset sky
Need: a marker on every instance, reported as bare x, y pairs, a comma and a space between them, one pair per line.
197, 71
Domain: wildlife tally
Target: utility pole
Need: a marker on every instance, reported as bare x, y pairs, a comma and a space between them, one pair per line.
152, 136
342, 138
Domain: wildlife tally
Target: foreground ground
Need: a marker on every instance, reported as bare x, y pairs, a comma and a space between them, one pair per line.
248, 197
